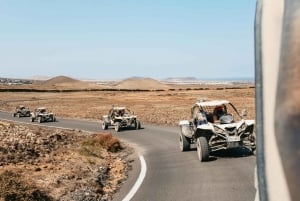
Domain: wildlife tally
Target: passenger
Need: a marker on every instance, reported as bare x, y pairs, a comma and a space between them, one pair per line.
201, 118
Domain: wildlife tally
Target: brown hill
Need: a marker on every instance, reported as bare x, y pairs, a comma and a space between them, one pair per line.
60, 80
140, 83
64, 82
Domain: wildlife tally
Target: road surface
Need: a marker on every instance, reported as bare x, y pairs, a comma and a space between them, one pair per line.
172, 175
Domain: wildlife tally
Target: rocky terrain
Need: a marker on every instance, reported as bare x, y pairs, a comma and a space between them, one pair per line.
44, 164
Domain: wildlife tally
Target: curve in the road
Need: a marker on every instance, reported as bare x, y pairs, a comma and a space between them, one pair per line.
173, 175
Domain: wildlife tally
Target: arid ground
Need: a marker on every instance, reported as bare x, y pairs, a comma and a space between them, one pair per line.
46, 164
151, 107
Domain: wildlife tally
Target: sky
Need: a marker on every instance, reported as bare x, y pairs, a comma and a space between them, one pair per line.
115, 39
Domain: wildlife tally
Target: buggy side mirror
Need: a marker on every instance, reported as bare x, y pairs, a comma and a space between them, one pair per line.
244, 112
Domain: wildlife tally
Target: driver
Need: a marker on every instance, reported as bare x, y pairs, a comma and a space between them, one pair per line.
218, 112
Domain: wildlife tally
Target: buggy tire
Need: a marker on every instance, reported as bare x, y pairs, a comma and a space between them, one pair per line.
31, 119
202, 149
104, 125
117, 126
184, 143
253, 143
137, 125
14, 114
40, 119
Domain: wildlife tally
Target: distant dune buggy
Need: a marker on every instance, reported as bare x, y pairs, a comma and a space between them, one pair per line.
216, 125
42, 114
120, 117
21, 111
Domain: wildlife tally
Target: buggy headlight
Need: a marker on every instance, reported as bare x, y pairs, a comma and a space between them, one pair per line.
242, 128
219, 130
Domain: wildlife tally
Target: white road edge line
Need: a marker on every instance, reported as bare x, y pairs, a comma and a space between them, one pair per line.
139, 181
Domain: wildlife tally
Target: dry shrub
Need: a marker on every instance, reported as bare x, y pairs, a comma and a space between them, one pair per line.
12, 188
97, 142
108, 142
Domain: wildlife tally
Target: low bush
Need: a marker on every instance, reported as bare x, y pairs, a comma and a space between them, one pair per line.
94, 145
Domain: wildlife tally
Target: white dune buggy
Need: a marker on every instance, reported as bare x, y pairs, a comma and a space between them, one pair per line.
216, 125
42, 114
120, 117
21, 111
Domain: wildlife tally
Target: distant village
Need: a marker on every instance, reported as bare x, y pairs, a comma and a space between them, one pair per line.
11, 81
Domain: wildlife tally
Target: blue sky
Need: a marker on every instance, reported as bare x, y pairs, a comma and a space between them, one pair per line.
111, 39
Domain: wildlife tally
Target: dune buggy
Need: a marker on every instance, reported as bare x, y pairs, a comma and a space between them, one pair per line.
42, 114
216, 125
21, 111
120, 117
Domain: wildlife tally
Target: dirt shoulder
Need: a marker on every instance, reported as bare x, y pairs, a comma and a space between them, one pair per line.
155, 107
44, 164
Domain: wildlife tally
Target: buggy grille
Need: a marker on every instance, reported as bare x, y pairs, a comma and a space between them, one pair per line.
231, 130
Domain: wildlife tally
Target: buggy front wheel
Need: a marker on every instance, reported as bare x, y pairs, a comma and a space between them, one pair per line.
202, 149
137, 124
104, 125
117, 126
184, 143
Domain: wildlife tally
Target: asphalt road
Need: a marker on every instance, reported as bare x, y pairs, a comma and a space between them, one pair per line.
173, 175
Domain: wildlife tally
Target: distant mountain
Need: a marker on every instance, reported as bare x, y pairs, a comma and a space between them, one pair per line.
39, 77
170, 79
64, 82
182, 80
140, 83
60, 80
193, 80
